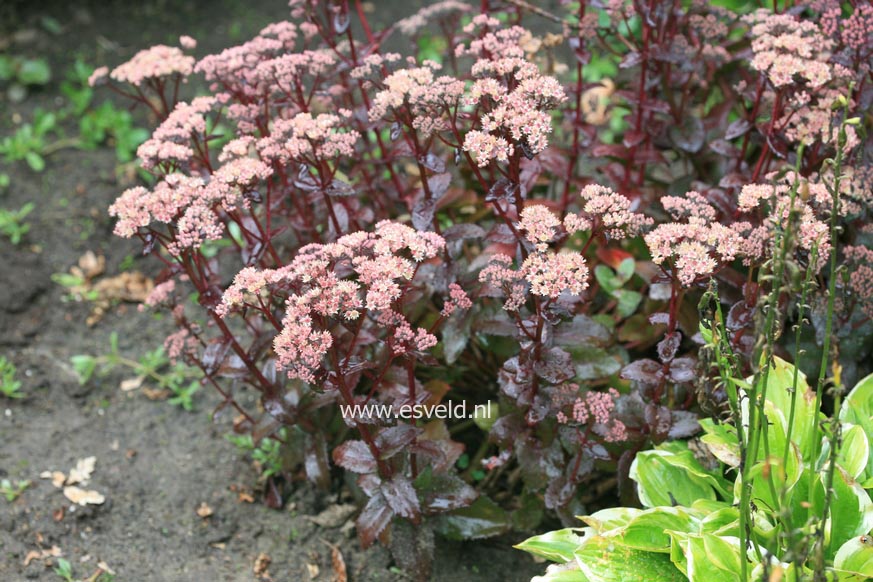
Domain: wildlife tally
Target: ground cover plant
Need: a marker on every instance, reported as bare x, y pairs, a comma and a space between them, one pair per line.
594, 221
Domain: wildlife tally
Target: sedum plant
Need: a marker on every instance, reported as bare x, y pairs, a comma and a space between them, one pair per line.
528, 222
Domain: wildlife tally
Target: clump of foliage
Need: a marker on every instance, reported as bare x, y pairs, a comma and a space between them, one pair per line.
528, 222
165, 372
10, 387
12, 223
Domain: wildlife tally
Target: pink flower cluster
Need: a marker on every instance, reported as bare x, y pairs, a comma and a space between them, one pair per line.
359, 273
606, 211
786, 47
597, 408
306, 138
171, 141
512, 94
417, 92
412, 24
861, 276
458, 300
695, 247
813, 234
153, 63
544, 272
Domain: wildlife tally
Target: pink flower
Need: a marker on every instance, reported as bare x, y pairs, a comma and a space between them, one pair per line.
539, 224
611, 212
458, 301
186, 42
551, 274
154, 63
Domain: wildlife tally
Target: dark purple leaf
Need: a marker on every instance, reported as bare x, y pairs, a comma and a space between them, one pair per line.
482, 519
632, 59
355, 456
659, 421
645, 371
685, 425
340, 189
438, 184
315, 460
682, 370
463, 232
500, 233
668, 346
502, 189
213, 356
401, 497
282, 407
724, 148
272, 495
633, 138
433, 162
582, 329
556, 366
305, 181
736, 129
740, 315
373, 520
689, 135
732, 180
422, 214
559, 492
395, 131
392, 440
659, 318
341, 21
447, 492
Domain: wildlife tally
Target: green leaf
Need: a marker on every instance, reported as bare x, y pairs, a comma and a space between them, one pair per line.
851, 511
35, 161
606, 278
857, 409
628, 301
666, 478
7, 67
84, 366
721, 440
854, 451
562, 573
557, 546
34, 72
648, 531
626, 270
603, 560
854, 560
707, 558
779, 385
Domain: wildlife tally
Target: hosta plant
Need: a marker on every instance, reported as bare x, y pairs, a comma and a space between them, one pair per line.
689, 525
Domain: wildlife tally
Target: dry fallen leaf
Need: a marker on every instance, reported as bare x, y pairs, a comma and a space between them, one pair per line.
262, 562
58, 478
90, 265
58, 514
81, 473
83, 496
245, 497
313, 571
54, 552
131, 383
204, 510
105, 567
339, 564
156, 393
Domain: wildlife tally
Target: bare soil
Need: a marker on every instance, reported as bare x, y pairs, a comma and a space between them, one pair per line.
155, 463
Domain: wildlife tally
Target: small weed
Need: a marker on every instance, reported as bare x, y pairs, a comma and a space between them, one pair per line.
12, 491
65, 570
12, 223
268, 453
9, 386
180, 380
